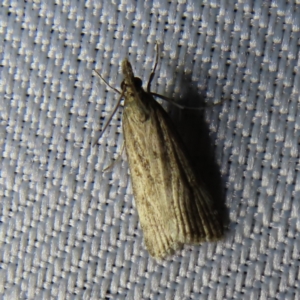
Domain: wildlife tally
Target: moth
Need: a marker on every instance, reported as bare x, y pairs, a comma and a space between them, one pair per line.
174, 207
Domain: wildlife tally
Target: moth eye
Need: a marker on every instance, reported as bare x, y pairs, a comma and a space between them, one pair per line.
122, 85
138, 82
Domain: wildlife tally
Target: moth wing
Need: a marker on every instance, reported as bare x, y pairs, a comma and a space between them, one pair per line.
173, 207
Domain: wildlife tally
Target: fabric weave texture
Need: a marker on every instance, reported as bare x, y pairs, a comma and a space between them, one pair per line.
68, 230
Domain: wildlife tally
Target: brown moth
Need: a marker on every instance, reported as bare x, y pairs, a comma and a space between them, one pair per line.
174, 208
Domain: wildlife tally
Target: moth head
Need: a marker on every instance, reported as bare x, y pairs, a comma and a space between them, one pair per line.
136, 81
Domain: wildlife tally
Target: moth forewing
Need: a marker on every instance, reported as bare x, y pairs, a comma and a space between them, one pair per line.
173, 206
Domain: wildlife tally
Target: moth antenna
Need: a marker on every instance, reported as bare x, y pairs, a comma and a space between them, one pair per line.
153, 71
117, 91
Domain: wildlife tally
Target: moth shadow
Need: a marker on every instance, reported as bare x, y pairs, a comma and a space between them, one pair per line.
195, 134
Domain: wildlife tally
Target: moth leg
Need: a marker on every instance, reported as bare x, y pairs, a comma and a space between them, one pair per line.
116, 160
185, 107
153, 71
109, 119
116, 90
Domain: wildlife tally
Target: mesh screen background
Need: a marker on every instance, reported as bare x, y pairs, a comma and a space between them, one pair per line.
71, 231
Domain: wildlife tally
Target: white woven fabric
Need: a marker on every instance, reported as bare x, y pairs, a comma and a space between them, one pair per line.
71, 231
